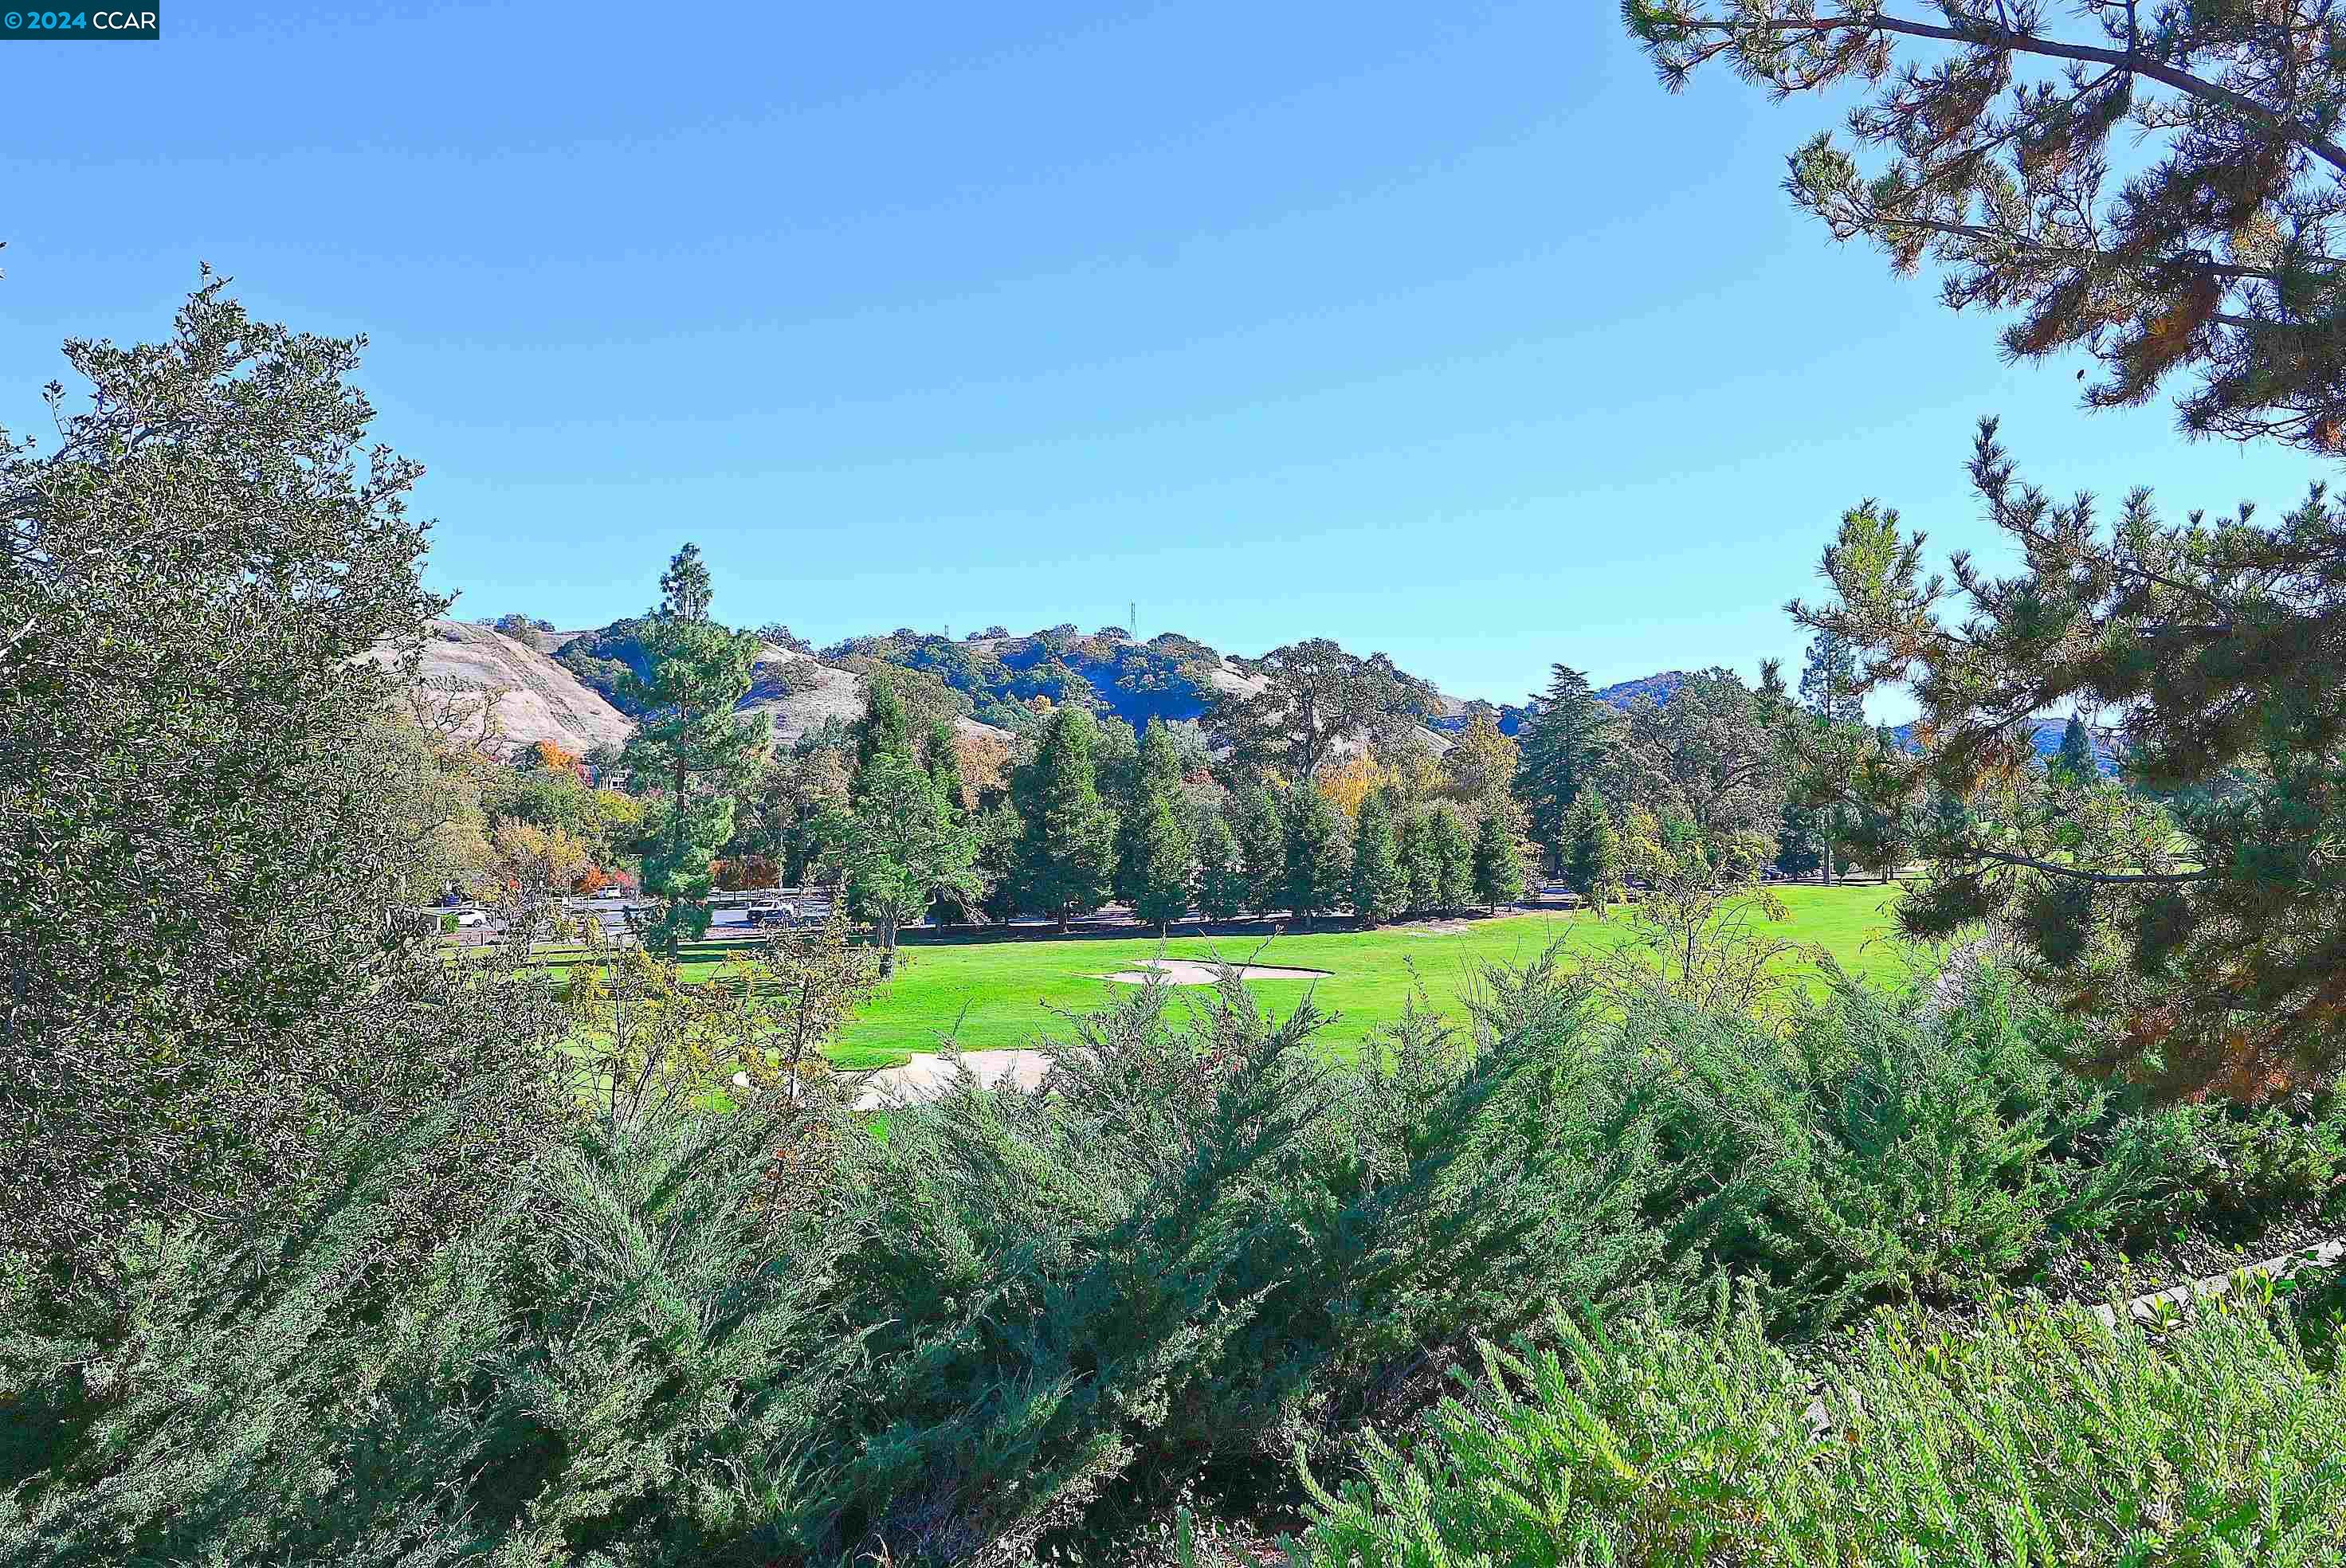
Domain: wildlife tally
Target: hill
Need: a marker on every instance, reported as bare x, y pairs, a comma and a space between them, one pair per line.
566, 685
535, 699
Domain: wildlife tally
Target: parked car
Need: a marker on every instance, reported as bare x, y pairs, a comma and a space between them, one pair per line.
471, 918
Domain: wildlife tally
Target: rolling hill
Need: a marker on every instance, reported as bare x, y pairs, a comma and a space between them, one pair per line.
565, 687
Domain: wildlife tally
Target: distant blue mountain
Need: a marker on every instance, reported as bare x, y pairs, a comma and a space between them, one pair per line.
2047, 738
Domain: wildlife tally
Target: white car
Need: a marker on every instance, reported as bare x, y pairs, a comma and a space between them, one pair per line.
471, 918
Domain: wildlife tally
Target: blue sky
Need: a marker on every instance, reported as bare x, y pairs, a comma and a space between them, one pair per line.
1439, 330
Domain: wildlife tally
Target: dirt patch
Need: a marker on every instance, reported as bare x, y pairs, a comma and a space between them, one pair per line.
1189, 971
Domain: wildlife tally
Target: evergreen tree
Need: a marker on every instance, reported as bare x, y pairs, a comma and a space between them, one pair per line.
899, 846
1155, 782
1830, 680
1380, 889
1563, 746
1161, 886
944, 763
690, 746
1221, 871
1001, 847
1260, 825
1420, 863
2163, 188
941, 760
1316, 870
1453, 856
1154, 860
1498, 864
685, 589
1826, 756
2207, 940
885, 726
208, 818
1799, 842
2076, 754
1068, 849
1593, 866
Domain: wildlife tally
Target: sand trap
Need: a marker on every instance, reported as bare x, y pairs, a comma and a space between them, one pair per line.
1189, 971
930, 1073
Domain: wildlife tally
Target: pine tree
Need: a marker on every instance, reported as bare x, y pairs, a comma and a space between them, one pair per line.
1161, 885
1221, 874
1454, 856
885, 727
1421, 861
690, 745
1067, 850
1154, 859
1593, 866
2076, 755
942, 760
900, 847
2162, 189
1498, 864
685, 589
1316, 880
1260, 826
1380, 889
1562, 747
1155, 781
1830, 680
2202, 937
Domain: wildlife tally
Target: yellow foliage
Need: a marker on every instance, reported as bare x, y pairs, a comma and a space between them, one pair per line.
1348, 784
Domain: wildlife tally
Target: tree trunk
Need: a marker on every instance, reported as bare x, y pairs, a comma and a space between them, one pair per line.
1066, 920
887, 945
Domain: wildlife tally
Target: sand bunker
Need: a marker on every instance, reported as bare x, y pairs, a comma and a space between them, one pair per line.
1189, 971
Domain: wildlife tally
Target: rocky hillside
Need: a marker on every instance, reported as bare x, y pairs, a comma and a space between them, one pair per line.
536, 698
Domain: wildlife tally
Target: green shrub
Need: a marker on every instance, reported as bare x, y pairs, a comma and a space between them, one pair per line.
1201, 1244
1867, 1153
2041, 1439
2231, 1170
626, 1359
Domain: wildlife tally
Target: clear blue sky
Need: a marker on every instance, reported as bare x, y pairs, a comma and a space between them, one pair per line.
1439, 330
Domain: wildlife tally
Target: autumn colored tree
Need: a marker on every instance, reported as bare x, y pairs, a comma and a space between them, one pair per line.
1354, 779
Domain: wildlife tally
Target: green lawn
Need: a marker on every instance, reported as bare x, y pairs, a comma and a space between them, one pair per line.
989, 994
